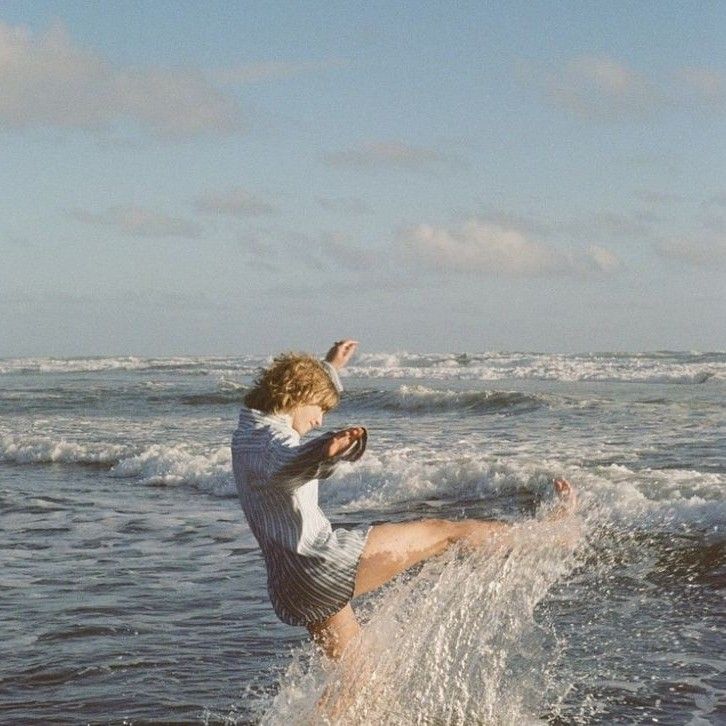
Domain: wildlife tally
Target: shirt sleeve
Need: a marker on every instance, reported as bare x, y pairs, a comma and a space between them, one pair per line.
293, 466
333, 375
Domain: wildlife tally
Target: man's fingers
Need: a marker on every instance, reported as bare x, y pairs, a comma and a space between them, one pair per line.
341, 440
346, 345
341, 352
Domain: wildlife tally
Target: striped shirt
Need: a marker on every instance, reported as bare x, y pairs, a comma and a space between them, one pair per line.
311, 568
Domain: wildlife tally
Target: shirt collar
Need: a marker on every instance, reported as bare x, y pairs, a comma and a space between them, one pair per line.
283, 418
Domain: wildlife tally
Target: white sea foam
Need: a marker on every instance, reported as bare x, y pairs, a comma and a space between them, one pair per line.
35, 449
663, 498
175, 465
408, 476
658, 367
645, 368
181, 364
646, 498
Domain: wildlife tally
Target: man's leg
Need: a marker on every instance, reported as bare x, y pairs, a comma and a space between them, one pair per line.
392, 548
335, 633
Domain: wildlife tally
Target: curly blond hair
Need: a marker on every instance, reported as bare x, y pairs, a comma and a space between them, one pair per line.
293, 379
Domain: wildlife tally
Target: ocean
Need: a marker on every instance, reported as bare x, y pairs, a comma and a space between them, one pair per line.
133, 592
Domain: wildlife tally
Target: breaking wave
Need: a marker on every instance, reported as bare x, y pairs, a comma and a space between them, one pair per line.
176, 465
34, 449
647, 498
407, 478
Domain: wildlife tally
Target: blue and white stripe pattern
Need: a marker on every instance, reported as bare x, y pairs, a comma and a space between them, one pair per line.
311, 568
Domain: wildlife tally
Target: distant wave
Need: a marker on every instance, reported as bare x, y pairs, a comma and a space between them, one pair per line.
678, 368
406, 398
420, 399
228, 392
656, 367
181, 365
212, 399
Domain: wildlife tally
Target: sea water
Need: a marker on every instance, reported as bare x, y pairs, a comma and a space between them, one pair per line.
132, 590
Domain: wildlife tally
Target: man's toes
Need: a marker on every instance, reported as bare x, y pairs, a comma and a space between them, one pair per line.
562, 487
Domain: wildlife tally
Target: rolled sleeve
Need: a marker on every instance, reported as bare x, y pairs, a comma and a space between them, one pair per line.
293, 466
333, 375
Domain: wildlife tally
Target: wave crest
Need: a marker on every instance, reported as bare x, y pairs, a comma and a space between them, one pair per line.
32, 449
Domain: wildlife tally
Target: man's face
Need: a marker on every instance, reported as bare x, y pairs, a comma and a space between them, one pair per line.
306, 417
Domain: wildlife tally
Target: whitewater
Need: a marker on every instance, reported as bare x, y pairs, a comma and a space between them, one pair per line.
133, 591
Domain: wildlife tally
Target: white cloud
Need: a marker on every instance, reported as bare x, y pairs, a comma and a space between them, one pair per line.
603, 259
236, 202
698, 251
140, 222
485, 247
48, 80
599, 87
392, 154
607, 89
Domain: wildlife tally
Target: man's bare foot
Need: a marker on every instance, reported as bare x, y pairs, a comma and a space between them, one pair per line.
567, 497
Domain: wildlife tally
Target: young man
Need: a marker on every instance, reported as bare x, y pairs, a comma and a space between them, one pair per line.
313, 570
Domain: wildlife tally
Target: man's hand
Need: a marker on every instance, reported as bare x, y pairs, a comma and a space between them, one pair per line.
342, 440
341, 352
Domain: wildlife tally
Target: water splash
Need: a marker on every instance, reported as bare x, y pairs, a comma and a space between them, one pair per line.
457, 642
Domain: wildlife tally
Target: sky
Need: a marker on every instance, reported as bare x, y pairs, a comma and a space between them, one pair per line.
223, 178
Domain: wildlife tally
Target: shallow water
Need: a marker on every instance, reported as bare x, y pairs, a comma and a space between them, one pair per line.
132, 588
